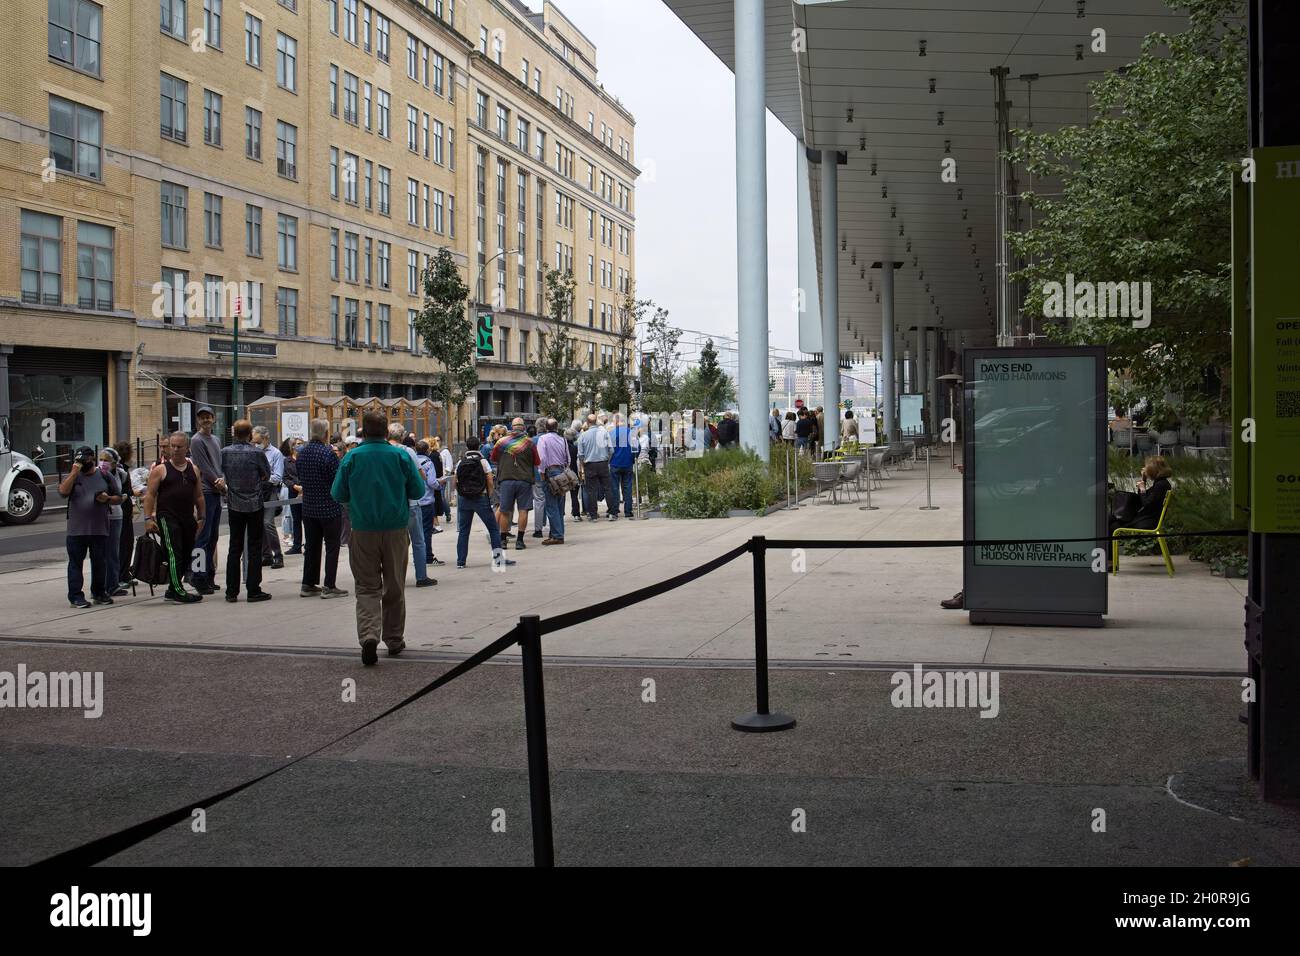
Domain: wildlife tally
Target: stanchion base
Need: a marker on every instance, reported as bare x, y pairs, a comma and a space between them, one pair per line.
867, 508
757, 723
928, 508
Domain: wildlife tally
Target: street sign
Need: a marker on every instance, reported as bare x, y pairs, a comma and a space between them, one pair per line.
485, 338
293, 425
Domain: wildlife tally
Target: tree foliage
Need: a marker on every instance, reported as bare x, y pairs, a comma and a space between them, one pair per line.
660, 373
446, 330
556, 371
1145, 196
706, 386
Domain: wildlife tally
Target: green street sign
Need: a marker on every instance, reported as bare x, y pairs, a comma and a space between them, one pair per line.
485, 337
1275, 342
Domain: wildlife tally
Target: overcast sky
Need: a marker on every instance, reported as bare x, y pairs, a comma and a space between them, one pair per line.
683, 98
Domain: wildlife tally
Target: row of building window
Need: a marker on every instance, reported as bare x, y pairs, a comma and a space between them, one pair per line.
611, 190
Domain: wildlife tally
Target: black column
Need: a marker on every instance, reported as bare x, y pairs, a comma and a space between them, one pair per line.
1273, 605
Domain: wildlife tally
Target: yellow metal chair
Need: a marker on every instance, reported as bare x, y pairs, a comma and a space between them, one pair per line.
1137, 532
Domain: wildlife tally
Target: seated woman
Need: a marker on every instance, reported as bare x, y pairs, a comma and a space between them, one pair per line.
1151, 490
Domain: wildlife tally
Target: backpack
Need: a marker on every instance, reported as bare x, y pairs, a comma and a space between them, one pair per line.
470, 480
150, 563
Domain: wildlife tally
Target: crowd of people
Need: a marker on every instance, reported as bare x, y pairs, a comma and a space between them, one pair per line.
384, 495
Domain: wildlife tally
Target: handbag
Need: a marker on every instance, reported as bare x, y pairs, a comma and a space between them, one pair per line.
1124, 507
150, 564
562, 483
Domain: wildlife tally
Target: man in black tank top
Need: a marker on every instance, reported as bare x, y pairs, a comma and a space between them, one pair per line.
173, 505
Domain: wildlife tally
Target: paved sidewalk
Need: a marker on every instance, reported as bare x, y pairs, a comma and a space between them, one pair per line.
854, 607
634, 783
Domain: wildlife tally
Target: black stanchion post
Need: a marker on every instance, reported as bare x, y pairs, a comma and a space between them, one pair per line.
539, 772
762, 720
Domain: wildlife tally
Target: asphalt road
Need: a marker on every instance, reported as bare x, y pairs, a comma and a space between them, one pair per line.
634, 783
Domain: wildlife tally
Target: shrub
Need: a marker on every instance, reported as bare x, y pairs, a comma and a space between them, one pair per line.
696, 499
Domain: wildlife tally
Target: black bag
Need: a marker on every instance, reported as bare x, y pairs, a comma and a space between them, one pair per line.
470, 480
1124, 507
150, 563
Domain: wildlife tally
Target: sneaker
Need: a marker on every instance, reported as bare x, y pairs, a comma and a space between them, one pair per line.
259, 596
537, 533
369, 652
103, 599
80, 602
437, 531
294, 551
435, 562
181, 597
332, 593
232, 598
394, 651
266, 562
553, 541
460, 567
206, 589
309, 590
612, 517
277, 564
120, 592
426, 583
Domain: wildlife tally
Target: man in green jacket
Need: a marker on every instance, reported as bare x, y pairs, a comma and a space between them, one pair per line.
375, 480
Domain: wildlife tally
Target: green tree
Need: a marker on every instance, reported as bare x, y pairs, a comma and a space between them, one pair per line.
446, 333
616, 388
1145, 196
661, 372
706, 386
556, 371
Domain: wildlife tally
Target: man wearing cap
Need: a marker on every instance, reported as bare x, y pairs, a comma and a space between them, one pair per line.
205, 452
90, 495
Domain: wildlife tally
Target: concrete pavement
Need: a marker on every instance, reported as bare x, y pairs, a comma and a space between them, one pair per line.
828, 607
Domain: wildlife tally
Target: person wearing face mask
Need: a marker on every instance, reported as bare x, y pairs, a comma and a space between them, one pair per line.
89, 494
118, 483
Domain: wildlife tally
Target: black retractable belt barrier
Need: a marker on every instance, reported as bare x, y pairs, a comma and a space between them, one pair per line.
539, 772
762, 720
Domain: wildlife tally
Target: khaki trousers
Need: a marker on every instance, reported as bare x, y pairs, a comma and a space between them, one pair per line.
378, 560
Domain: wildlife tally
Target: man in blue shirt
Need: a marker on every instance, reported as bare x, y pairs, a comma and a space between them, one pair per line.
593, 466
620, 469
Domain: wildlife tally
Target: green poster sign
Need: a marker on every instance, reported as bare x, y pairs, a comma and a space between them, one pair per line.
485, 338
1275, 341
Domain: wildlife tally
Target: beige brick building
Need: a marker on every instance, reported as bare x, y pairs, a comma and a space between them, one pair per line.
169, 162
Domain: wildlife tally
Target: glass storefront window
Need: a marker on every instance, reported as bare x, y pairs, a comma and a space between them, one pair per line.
74, 404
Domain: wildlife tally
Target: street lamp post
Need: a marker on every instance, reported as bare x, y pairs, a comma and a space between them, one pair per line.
478, 303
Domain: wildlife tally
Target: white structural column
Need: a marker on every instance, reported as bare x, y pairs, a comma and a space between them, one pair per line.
830, 298
887, 366
920, 365
751, 224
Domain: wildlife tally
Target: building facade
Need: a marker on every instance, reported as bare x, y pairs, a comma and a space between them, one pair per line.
552, 176
172, 167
